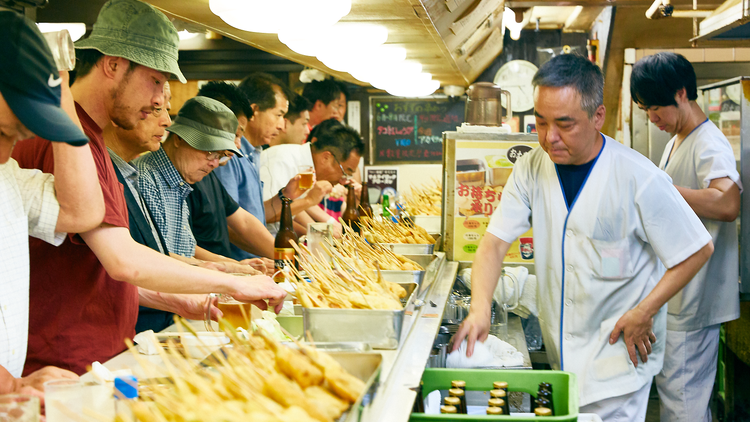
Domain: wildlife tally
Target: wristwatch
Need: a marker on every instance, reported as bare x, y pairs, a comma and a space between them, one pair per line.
282, 197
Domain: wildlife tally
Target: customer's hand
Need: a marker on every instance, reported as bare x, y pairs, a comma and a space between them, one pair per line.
34, 382
636, 327
475, 327
292, 190
259, 289
264, 265
319, 190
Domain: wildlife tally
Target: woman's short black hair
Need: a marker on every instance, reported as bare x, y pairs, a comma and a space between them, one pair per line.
656, 79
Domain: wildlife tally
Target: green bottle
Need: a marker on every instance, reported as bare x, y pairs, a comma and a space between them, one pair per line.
386, 207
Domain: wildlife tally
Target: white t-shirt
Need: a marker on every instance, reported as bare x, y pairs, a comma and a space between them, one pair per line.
598, 260
28, 207
713, 295
278, 165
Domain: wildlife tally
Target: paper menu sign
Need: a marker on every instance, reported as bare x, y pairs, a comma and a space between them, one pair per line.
482, 170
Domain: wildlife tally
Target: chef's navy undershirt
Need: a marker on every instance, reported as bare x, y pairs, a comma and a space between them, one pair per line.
572, 177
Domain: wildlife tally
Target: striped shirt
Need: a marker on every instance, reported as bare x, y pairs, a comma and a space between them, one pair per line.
28, 208
165, 194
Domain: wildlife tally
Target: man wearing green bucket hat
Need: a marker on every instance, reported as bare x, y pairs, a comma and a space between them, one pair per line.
84, 294
201, 137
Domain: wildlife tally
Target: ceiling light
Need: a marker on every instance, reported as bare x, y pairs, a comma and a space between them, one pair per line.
274, 16
186, 35
76, 30
509, 21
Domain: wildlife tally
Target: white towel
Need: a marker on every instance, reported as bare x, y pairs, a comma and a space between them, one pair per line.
527, 301
492, 353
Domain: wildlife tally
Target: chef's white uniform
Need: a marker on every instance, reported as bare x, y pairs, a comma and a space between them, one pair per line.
712, 297
598, 260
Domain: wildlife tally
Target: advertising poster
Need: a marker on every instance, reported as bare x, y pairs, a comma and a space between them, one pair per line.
482, 169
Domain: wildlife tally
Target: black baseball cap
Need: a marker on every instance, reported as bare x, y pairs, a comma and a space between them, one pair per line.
30, 81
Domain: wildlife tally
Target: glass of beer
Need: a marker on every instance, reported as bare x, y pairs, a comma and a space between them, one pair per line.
306, 178
230, 307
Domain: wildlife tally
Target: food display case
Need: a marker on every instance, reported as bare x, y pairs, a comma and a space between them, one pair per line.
727, 104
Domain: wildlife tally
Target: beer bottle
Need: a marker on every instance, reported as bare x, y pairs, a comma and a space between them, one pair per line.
542, 403
495, 402
448, 409
452, 401
458, 384
542, 411
351, 214
282, 248
419, 400
494, 411
461, 394
544, 394
501, 394
365, 210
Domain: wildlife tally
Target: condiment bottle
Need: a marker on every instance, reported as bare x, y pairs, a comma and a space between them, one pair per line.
365, 210
542, 411
282, 247
387, 214
494, 411
457, 392
448, 409
126, 391
351, 214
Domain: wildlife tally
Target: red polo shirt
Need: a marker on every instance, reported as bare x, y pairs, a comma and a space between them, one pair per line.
78, 314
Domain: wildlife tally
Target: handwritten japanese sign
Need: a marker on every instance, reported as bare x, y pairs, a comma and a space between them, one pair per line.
406, 130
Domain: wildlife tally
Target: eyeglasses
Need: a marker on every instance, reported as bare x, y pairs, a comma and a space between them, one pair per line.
219, 155
346, 175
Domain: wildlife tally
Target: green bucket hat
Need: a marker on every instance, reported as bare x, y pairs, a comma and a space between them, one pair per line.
138, 32
206, 125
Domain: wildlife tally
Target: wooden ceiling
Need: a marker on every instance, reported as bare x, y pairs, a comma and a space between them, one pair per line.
454, 40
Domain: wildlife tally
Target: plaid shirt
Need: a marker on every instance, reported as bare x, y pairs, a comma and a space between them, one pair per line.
165, 192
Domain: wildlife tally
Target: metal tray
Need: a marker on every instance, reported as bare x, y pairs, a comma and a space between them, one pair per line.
397, 276
381, 329
366, 367
411, 248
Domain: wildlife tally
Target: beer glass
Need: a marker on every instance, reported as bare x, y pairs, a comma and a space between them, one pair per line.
19, 408
63, 400
306, 177
61, 46
499, 315
318, 236
230, 307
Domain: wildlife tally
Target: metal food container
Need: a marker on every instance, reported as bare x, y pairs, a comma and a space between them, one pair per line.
397, 276
366, 367
381, 329
414, 248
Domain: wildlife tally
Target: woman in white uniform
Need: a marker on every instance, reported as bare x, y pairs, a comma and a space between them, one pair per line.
700, 161
604, 216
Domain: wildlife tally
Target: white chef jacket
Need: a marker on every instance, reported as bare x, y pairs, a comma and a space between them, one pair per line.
278, 165
28, 207
713, 295
598, 260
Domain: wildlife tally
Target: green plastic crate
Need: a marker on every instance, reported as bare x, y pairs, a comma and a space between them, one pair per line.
564, 386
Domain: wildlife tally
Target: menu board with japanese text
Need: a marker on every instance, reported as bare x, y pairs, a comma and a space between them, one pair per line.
406, 130
482, 169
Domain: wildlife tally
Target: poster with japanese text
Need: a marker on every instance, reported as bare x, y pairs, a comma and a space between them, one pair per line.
482, 169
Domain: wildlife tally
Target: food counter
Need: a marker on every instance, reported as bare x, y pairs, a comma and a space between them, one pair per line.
401, 369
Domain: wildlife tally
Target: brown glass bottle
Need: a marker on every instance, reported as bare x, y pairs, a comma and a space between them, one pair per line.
495, 411
365, 210
351, 214
282, 248
461, 394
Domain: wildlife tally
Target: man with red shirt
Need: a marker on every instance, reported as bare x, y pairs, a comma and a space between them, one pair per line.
85, 294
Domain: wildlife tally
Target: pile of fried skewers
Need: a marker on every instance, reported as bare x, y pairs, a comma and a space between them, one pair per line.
258, 379
357, 252
425, 199
341, 286
389, 232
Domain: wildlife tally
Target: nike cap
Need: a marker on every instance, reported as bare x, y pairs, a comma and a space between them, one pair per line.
30, 81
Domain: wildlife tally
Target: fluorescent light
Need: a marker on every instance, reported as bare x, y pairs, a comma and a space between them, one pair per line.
76, 30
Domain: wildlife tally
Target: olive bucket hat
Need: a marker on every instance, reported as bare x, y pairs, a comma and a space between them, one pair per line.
137, 32
206, 125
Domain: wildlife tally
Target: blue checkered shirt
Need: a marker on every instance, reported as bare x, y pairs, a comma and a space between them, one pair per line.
165, 193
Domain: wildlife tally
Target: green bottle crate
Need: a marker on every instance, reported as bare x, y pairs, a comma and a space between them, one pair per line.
564, 395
